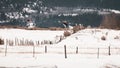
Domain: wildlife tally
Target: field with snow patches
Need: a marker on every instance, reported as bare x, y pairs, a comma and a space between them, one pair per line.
85, 49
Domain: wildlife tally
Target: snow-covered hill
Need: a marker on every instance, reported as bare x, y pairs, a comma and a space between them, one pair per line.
93, 37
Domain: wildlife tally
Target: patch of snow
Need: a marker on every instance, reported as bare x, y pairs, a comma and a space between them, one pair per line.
29, 10
116, 11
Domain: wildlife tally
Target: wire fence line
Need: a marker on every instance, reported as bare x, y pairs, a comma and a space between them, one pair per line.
33, 50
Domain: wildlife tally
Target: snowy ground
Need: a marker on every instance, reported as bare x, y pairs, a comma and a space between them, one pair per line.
88, 41
58, 61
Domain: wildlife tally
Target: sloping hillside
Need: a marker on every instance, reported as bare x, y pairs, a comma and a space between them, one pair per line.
93, 37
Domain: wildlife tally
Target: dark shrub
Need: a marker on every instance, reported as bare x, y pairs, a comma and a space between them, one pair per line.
103, 38
1, 41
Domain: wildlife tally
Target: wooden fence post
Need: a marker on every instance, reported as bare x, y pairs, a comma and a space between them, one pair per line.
76, 50
98, 53
109, 51
33, 50
65, 51
45, 49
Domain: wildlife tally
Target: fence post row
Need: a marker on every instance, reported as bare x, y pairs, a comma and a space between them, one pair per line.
65, 49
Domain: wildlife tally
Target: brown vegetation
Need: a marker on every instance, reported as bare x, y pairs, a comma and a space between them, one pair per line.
66, 33
77, 28
36, 28
111, 21
1, 41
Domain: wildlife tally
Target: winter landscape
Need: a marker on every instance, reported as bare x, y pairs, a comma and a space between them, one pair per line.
59, 33
87, 48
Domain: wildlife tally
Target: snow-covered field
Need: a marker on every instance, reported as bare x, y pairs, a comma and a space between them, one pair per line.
58, 61
18, 36
88, 41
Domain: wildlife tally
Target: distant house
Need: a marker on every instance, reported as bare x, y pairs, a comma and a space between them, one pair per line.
30, 24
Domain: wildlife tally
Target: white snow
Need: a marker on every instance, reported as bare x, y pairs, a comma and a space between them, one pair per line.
116, 11
4, 21
15, 15
69, 14
29, 10
22, 56
58, 61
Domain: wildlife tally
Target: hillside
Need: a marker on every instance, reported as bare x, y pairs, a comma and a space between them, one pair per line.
93, 38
